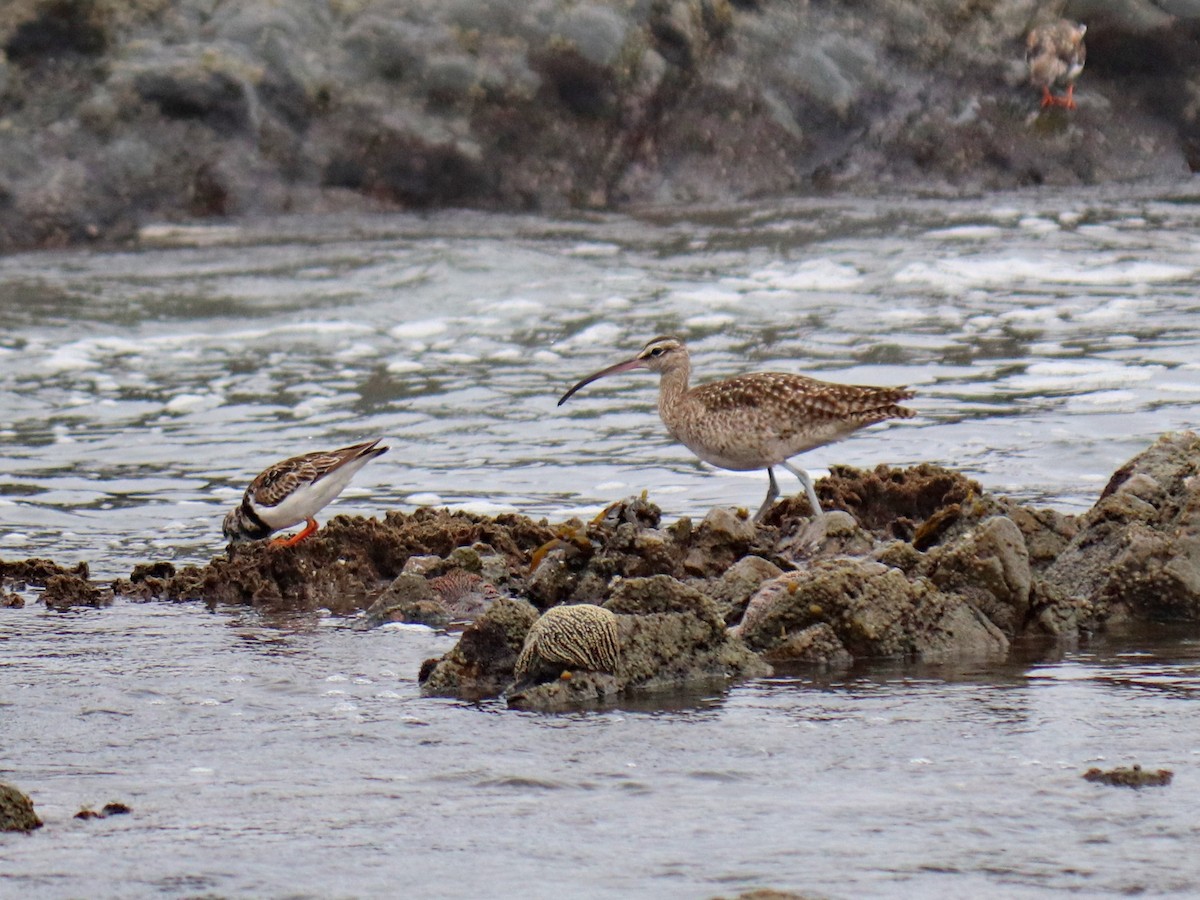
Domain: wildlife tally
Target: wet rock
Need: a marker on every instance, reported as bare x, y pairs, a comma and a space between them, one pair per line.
9, 600
989, 568
1047, 532
1132, 776
16, 810
65, 591
816, 645
555, 579
421, 565
835, 533
873, 610
733, 590
673, 635
481, 664
409, 598
723, 536
349, 562
38, 571
1136, 555
670, 635
922, 504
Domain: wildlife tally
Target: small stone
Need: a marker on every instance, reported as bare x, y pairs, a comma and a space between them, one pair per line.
420, 565
464, 558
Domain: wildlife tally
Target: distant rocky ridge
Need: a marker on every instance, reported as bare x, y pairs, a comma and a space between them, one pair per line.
914, 564
116, 113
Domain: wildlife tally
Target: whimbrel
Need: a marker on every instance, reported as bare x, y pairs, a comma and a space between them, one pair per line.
756, 421
578, 636
294, 491
1056, 53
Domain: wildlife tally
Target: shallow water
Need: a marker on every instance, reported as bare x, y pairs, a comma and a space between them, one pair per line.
1050, 338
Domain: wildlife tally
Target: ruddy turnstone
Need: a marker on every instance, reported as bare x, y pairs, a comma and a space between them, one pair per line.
1056, 53
294, 491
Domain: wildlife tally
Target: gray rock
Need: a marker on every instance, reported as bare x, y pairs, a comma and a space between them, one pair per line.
1137, 552
268, 107
989, 567
873, 611
733, 590
409, 598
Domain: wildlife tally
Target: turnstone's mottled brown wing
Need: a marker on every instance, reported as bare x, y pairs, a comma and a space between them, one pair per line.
785, 396
275, 483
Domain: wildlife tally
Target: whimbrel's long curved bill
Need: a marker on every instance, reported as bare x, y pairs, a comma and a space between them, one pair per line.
624, 366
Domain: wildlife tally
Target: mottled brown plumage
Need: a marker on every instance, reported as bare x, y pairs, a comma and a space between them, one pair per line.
579, 636
1056, 53
760, 420
294, 490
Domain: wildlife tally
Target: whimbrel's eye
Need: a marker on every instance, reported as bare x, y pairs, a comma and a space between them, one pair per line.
657, 351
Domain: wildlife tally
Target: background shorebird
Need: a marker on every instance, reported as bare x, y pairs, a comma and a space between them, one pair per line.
1056, 53
756, 421
294, 491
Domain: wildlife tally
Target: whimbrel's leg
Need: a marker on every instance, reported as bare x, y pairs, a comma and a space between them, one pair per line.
808, 487
772, 494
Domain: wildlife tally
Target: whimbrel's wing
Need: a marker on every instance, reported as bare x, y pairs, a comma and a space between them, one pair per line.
785, 396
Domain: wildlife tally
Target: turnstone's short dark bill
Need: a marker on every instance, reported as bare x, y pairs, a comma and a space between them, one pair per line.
294, 491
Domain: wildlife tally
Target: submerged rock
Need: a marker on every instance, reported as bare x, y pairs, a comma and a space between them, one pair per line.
481, 664
109, 809
16, 810
1132, 776
66, 591
670, 635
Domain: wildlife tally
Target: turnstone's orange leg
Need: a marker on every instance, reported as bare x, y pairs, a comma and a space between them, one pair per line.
1069, 101
1048, 99
309, 527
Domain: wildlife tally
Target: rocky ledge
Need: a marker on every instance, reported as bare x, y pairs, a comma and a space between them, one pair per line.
918, 564
116, 113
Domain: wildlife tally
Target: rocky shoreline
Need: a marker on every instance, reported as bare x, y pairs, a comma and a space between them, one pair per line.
118, 114
916, 564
